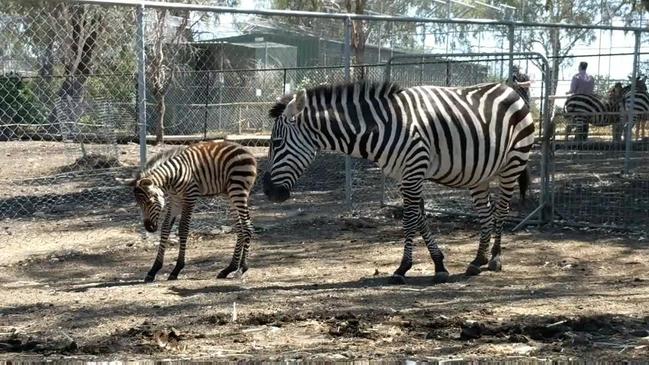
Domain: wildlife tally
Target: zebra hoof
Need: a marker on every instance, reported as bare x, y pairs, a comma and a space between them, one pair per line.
495, 264
224, 273
173, 277
440, 277
149, 279
397, 279
473, 270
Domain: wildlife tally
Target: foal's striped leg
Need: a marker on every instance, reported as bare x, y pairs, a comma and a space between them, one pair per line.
165, 231
239, 200
183, 233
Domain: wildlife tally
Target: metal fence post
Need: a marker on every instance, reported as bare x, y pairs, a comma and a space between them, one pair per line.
207, 97
547, 152
631, 111
284, 91
347, 63
510, 38
387, 77
141, 81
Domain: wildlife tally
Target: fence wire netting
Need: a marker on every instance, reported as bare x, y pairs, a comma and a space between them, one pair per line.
70, 115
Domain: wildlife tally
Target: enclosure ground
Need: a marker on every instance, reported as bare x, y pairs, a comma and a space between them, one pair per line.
317, 289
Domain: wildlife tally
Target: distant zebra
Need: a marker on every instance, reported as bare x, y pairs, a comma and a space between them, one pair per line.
583, 109
640, 111
185, 174
458, 137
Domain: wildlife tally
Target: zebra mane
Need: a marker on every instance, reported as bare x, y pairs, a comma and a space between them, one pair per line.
277, 109
327, 90
159, 159
370, 87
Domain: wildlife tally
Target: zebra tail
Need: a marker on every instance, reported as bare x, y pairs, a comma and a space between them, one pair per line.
524, 183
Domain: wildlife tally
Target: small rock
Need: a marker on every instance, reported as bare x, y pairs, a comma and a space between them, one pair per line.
471, 331
582, 338
639, 333
518, 338
522, 349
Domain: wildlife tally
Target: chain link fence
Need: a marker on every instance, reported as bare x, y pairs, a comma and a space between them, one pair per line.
70, 117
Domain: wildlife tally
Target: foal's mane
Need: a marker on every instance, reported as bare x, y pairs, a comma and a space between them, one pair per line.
327, 90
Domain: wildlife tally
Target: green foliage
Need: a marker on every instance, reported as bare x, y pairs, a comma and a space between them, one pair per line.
603, 84
18, 103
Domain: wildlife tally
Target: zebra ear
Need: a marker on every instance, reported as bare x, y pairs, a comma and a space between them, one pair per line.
300, 101
145, 183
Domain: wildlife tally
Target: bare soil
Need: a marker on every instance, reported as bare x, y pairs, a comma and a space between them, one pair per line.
71, 286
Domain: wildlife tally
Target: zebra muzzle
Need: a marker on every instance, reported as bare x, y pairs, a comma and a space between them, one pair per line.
274, 193
150, 226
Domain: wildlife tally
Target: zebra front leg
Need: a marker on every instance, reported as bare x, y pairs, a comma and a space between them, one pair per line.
165, 230
482, 205
441, 274
506, 188
183, 233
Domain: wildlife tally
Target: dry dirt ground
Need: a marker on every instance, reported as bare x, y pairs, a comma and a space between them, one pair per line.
71, 286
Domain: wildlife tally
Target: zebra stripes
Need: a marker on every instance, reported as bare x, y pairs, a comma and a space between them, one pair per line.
459, 137
185, 174
584, 109
640, 106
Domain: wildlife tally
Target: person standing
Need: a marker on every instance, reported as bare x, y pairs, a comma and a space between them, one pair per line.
582, 82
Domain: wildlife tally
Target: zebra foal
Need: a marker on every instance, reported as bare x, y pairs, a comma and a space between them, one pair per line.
458, 137
184, 174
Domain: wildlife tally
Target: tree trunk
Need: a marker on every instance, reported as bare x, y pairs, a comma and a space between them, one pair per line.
69, 100
160, 109
358, 37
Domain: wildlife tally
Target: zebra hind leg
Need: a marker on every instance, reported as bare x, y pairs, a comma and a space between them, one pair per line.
410, 222
441, 274
506, 190
481, 203
244, 234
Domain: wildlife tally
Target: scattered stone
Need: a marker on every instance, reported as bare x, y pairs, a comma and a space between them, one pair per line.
471, 330
582, 339
518, 338
522, 349
639, 333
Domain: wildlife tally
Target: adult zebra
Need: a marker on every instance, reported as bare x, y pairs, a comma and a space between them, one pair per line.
459, 137
640, 106
584, 109
186, 173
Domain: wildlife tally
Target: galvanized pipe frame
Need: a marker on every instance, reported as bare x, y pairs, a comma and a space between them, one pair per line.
351, 16
544, 215
631, 112
140, 47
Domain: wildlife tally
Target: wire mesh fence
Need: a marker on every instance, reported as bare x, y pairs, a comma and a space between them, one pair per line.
70, 111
